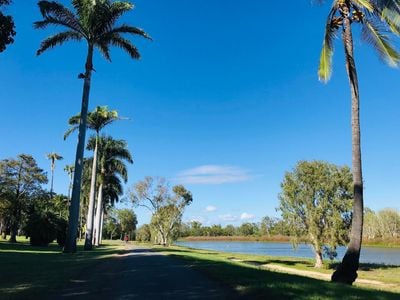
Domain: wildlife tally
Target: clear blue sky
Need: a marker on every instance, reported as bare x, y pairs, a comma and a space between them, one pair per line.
226, 99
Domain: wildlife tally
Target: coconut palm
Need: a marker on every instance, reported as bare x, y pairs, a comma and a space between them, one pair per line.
96, 121
375, 17
53, 157
94, 22
113, 155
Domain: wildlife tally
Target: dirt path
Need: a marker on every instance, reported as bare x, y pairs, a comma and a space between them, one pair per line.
141, 273
322, 276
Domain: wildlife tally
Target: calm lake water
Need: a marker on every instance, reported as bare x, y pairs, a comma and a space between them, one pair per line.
387, 256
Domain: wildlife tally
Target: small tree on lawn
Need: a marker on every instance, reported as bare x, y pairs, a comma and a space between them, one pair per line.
316, 201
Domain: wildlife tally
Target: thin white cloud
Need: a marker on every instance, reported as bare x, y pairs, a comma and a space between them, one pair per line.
228, 218
199, 219
245, 216
210, 208
213, 174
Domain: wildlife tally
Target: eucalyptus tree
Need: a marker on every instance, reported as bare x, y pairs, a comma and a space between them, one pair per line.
53, 157
113, 156
21, 181
376, 18
94, 22
96, 121
167, 208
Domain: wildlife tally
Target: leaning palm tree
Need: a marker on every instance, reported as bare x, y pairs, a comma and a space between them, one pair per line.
375, 18
96, 121
53, 157
113, 155
92, 21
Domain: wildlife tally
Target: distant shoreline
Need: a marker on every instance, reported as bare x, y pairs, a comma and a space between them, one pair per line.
394, 243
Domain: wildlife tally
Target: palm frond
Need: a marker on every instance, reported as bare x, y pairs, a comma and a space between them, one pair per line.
366, 4
70, 131
374, 34
52, 11
325, 63
125, 45
104, 50
392, 5
129, 29
58, 39
392, 19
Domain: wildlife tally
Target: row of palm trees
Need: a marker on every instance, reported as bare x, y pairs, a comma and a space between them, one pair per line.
95, 23
105, 165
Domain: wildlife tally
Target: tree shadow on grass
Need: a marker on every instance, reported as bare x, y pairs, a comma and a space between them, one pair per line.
27, 271
367, 266
254, 283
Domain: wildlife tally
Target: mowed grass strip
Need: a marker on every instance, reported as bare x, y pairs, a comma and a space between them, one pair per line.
28, 272
244, 274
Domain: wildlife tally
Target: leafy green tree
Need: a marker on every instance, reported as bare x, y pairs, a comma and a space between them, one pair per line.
93, 22
230, 230
128, 221
389, 221
143, 234
7, 28
267, 225
100, 117
21, 181
375, 17
53, 157
112, 227
247, 229
316, 202
167, 209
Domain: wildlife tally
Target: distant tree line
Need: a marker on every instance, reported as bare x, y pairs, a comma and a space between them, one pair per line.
269, 226
384, 224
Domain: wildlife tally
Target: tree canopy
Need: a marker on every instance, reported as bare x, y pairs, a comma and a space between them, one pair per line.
7, 27
316, 201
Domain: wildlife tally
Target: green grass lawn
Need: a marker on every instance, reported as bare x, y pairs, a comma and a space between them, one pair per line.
32, 272
28, 272
243, 273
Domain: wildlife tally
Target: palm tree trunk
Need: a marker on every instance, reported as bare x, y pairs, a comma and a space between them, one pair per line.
101, 227
89, 222
347, 270
70, 243
99, 210
52, 180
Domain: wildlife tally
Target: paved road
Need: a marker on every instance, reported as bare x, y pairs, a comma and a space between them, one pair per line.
143, 274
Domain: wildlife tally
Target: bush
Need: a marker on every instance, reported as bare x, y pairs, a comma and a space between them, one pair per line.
143, 234
43, 228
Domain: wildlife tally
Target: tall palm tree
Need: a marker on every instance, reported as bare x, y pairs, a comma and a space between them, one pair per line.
53, 157
96, 121
113, 155
92, 21
375, 18
70, 171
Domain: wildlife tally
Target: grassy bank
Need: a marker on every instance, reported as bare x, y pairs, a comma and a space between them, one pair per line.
252, 276
382, 243
28, 272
